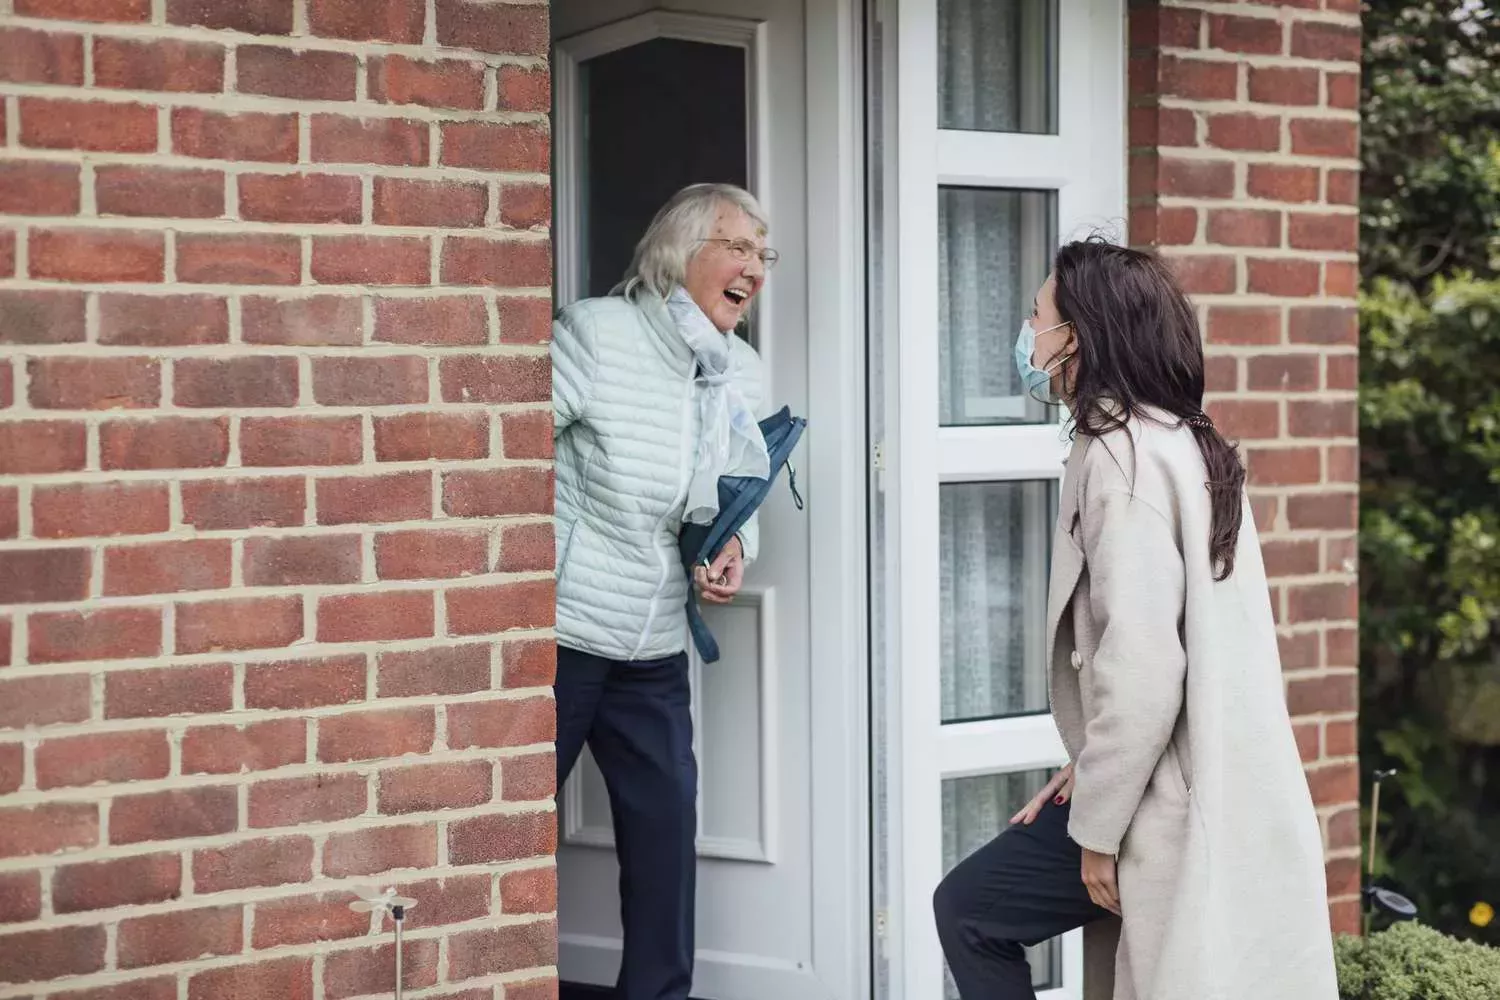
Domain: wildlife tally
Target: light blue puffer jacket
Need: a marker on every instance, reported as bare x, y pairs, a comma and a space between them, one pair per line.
624, 399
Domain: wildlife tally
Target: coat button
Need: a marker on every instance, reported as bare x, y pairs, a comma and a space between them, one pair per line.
1076, 660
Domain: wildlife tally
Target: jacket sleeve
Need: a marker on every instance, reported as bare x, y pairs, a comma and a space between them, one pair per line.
574, 362
1136, 600
748, 381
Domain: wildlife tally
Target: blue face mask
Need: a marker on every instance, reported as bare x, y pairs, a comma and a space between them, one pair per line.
1038, 381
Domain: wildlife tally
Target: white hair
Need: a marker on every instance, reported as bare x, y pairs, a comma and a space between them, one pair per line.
686, 220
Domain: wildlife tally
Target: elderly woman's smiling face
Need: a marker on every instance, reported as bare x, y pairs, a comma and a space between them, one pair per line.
727, 270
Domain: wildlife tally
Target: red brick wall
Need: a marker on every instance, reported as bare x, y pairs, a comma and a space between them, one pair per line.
1244, 171
275, 485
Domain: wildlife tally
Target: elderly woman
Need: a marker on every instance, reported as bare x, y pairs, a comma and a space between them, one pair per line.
654, 398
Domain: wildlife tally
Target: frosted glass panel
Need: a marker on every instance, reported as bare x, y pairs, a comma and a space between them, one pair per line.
997, 65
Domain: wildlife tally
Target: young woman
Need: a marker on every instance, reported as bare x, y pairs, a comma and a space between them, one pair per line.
1182, 830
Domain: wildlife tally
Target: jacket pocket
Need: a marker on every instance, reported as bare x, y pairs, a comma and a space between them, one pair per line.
566, 535
1176, 771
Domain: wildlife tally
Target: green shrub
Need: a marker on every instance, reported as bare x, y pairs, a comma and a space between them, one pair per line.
1413, 962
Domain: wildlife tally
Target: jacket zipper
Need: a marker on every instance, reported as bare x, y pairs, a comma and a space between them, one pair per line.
684, 477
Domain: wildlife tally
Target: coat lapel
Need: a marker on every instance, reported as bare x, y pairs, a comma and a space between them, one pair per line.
1067, 557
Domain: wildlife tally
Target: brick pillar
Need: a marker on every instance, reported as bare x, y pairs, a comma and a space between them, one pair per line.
1244, 171
275, 495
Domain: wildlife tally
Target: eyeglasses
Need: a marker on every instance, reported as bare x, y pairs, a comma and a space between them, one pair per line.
743, 250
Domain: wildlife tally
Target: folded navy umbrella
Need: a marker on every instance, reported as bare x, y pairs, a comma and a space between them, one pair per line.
739, 497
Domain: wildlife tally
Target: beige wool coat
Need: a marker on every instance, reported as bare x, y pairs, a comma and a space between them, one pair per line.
1166, 689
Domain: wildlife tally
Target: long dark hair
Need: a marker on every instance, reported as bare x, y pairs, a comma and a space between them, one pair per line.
1139, 345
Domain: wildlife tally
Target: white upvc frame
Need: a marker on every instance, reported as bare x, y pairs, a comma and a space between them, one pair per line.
1084, 164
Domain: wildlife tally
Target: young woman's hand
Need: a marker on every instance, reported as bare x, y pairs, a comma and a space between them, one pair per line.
1059, 790
1099, 879
719, 582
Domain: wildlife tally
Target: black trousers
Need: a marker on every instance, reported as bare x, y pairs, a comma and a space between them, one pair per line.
1020, 889
637, 719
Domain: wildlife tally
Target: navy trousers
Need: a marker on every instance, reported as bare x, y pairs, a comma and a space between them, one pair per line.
636, 717
1020, 889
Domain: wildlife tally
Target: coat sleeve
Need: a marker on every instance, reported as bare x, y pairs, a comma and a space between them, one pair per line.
1136, 597
748, 381
574, 362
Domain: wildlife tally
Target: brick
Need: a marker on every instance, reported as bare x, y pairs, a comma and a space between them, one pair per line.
368, 20
418, 437
1293, 87
251, 135
284, 979
1244, 227
405, 496
239, 383
452, 900
445, 670
1204, 274
405, 202
104, 634
35, 446
1343, 465
1325, 41
1282, 277
252, 864
86, 10
300, 684
497, 492
496, 146
376, 734
369, 381
490, 379
48, 828
527, 435
7, 384
498, 263
306, 920
37, 187
525, 320
255, 17
290, 441
1343, 90
442, 83
431, 787
157, 988
533, 890
1157, 126
536, 989
364, 971
1236, 325
390, 141
1325, 602
302, 561
495, 950
12, 755
1309, 739
1334, 784
430, 555
1325, 137
1324, 325
1308, 231
163, 64
44, 700
519, 88
296, 74
1341, 554
488, 27
1343, 187
1337, 511
108, 758
311, 321
20, 897
1252, 35
371, 260
179, 936
10, 521
199, 812
1172, 27
162, 320
375, 617
96, 126
1247, 419
1283, 373
165, 443
301, 198
1299, 650
101, 885
526, 206
530, 778
501, 723
480, 610
239, 260
244, 623
258, 746
42, 575
1275, 182
51, 953
227, 504
1240, 131
97, 255
527, 548
1323, 418
167, 567
94, 383
41, 317
451, 320
318, 799
1198, 79
186, 690
369, 852
1197, 178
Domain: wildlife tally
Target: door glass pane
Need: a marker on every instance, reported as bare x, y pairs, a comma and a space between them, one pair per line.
994, 547
994, 251
997, 65
975, 811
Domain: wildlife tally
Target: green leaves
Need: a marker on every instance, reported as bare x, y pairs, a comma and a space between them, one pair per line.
1412, 962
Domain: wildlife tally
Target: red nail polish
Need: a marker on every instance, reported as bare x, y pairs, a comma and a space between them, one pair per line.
1058, 801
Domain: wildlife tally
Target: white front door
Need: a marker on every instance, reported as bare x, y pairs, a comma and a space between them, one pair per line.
647, 100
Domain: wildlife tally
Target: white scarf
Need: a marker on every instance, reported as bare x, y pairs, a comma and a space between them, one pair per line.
729, 438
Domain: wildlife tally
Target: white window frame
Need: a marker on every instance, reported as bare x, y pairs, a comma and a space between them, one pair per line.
1084, 164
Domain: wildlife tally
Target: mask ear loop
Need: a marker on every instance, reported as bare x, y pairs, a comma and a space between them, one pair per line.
1047, 397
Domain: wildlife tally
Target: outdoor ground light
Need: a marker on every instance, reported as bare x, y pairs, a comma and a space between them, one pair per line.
371, 900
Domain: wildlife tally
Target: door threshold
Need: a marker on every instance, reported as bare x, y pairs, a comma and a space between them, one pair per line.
586, 991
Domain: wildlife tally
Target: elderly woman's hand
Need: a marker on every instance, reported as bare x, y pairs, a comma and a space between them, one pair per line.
719, 582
